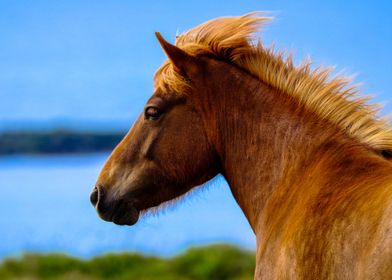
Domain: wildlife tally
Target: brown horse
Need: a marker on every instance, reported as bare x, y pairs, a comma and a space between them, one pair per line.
306, 158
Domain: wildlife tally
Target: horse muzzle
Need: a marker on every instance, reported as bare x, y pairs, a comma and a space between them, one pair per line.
118, 211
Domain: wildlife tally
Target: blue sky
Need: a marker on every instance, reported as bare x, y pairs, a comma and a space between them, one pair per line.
84, 61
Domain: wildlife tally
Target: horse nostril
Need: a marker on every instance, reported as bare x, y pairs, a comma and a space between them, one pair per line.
94, 196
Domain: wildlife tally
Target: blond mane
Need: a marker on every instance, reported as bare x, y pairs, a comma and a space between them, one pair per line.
332, 98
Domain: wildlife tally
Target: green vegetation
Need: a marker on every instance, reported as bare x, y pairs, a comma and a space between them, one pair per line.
56, 142
216, 262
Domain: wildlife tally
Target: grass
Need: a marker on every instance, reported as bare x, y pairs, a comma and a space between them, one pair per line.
218, 262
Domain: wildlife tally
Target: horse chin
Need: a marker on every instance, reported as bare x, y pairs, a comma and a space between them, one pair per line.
129, 217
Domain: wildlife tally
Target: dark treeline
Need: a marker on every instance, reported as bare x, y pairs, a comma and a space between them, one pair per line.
217, 262
57, 142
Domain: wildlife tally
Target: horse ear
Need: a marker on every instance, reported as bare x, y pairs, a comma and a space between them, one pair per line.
183, 63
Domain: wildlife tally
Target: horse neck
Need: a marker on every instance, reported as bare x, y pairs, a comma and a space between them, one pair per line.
266, 142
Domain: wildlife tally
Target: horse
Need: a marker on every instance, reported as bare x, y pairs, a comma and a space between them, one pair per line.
307, 157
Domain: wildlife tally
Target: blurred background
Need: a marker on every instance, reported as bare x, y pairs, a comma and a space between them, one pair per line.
74, 75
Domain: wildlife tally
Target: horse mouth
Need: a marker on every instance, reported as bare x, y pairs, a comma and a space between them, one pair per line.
128, 217
121, 214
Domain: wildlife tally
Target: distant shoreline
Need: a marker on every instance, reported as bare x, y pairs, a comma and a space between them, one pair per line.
57, 142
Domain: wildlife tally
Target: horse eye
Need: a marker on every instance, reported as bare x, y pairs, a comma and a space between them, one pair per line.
152, 113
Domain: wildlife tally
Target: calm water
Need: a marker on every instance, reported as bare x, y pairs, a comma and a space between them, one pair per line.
44, 207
